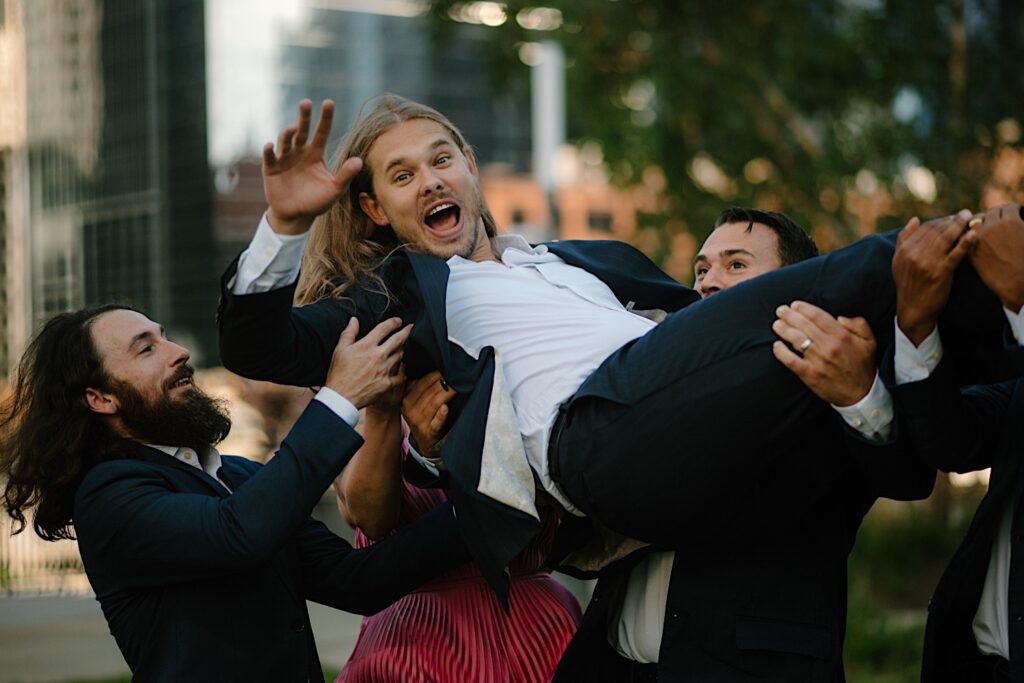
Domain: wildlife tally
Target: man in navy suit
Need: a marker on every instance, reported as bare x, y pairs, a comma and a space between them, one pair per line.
202, 563
769, 594
975, 629
564, 377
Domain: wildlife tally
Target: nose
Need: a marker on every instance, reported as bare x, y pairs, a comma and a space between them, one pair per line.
432, 182
709, 284
179, 354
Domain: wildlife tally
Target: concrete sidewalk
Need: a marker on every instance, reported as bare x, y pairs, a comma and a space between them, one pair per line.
57, 639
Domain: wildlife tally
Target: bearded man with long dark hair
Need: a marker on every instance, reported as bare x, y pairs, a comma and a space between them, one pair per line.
202, 563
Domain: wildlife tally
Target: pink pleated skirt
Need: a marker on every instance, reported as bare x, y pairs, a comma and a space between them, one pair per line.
453, 630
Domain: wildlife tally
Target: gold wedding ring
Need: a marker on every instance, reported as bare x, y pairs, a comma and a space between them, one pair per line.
977, 220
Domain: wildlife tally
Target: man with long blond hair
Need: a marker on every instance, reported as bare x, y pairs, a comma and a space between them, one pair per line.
563, 376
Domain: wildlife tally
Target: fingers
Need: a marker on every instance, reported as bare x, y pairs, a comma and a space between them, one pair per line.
302, 125
418, 389
790, 358
858, 327
323, 126
268, 155
396, 341
348, 171
439, 419
284, 142
793, 327
349, 334
382, 331
819, 317
961, 249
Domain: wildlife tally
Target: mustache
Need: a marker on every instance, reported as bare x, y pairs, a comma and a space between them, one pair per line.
183, 372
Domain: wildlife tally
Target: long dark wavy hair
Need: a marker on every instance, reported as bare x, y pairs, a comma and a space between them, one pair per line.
48, 436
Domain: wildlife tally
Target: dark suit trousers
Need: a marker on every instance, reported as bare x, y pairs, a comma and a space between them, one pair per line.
666, 437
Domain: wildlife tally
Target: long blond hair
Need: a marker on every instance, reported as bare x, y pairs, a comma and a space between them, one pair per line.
345, 246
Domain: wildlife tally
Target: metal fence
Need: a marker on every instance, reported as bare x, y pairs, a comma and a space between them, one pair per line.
31, 566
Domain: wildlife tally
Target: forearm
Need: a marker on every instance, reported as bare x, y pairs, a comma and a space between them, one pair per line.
369, 579
370, 487
954, 431
263, 337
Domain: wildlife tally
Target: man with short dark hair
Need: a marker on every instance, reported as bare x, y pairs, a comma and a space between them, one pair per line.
748, 242
740, 583
202, 563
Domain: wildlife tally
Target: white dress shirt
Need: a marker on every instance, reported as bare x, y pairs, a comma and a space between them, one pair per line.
551, 325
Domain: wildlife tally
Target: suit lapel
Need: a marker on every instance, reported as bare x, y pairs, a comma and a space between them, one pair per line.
432, 276
634, 279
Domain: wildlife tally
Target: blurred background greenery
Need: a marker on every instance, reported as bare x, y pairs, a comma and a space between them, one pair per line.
850, 115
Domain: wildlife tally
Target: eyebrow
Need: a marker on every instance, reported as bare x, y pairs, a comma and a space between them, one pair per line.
701, 258
400, 161
141, 336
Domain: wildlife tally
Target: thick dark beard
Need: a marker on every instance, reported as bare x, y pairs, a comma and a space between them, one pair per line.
197, 420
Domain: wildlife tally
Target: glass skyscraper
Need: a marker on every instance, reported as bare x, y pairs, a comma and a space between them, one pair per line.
106, 190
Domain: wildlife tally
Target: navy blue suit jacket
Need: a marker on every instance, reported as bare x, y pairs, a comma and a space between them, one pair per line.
199, 584
983, 426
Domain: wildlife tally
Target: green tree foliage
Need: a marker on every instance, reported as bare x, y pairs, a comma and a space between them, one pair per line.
789, 104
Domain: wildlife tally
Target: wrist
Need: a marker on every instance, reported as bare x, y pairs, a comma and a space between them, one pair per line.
288, 226
915, 329
382, 414
1013, 301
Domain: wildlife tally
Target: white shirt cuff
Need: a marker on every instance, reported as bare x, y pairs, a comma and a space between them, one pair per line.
872, 415
1016, 323
271, 260
915, 363
339, 405
431, 465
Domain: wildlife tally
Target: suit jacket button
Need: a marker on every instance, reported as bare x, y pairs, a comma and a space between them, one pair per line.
298, 626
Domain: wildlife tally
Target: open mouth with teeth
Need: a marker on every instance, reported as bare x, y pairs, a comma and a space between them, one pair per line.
183, 382
444, 219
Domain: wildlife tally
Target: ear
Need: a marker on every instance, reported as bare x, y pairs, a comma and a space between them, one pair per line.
372, 208
101, 402
471, 159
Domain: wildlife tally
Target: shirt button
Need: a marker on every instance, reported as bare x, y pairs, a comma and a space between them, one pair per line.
188, 455
268, 252
875, 413
857, 422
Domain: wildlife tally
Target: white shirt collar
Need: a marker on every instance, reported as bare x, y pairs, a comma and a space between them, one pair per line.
514, 250
208, 460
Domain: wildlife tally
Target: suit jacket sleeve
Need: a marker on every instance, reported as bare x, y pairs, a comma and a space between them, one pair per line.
893, 469
369, 579
263, 337
131, 510
953, 430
